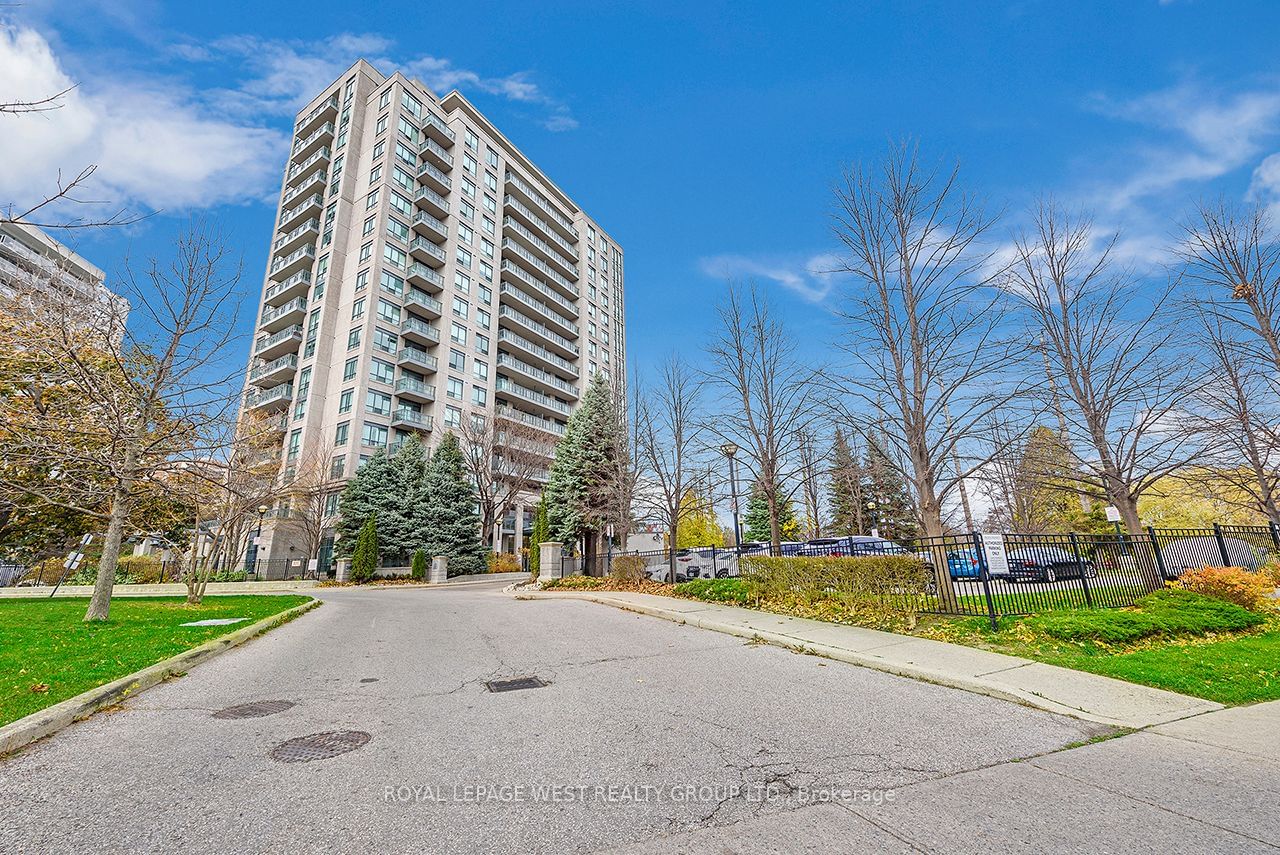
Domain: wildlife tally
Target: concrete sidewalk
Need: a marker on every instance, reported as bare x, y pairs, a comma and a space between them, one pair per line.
1061, 690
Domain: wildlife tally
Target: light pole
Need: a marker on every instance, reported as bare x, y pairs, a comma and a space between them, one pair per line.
252, 558
729, 450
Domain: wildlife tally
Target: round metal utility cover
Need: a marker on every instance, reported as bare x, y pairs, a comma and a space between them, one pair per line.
319, 746
256, 709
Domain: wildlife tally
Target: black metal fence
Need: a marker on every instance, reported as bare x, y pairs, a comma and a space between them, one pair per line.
994, 575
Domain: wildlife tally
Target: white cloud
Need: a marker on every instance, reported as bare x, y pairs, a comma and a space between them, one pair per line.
812, 280
154, 143
1265, 186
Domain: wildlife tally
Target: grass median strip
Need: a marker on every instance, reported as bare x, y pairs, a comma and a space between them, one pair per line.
49, 654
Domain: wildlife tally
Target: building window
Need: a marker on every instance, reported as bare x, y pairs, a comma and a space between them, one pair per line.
480, 369
482, 343
349, 370
362, 280
357, 309
457, 360
482, 318
385, 340
479, 395
353, 339
394, 256
378, 403
341, 433
460, 308
457, 333
486, 296
392, 283
371, 200
464, 258
337, 468
382, 372
374, 435
388, 311
453, 388
398, 230
344, 400
462, 282
452, 417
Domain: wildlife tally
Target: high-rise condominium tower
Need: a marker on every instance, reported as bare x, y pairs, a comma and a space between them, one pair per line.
423, 272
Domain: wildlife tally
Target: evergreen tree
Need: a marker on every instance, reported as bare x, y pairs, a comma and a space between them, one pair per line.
698, 524
580, 489
418, 570
365, 495
364, 560
890, 509
402, 523
844, 491
450, 518
756, 519
537, 536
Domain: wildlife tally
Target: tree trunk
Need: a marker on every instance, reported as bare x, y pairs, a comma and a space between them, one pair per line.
671, 550
100, 604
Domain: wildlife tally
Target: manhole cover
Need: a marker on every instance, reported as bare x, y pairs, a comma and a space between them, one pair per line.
369, 680
257, 709
319, 746
515, 684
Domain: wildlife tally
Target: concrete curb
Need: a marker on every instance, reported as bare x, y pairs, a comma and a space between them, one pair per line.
952, 679
167, 589
50, 720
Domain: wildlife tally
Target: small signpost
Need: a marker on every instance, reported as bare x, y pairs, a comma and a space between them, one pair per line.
997, 559
72, 564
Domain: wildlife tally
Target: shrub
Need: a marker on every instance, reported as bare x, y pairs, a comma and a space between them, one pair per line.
1233, 584
897, 581
418, 570
141, 569
364, 560
503, 562
1171, 612
1271, 572
628, 568
574, 583
715, 590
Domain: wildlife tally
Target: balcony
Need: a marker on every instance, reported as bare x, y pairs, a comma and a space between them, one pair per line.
275, 372
434, 152
326, 110
419, 331
428, 224
273, 427
432, 201
553, 318
551, 426
523, 442
541, 202
432, 177
533, 397
506, 468
407, 417
296, 285
526, 280
423, 302
278, 317
278, 344
541, 332
300, 259
544, 379
424, 250
423, 276
536, 352
437, 129
532, 220
289, 242
290, 217
415, 390
416, 359
272, 400
304, 147
513, 249
298, 170
540, 248
313, 182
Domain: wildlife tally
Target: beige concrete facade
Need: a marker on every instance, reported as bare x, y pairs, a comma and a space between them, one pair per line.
423, 271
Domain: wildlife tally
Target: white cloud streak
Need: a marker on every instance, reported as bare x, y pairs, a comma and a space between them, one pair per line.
813, 279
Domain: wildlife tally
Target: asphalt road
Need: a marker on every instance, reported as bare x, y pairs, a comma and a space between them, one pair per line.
649, 733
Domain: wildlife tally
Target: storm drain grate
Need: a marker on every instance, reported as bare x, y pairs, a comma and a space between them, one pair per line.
257, 709
319, 746
515, 684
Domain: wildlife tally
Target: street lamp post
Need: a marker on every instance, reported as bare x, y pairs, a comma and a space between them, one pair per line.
729, 450
251, 560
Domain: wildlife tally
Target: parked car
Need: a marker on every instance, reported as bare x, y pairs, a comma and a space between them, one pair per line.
850, 545
964, 564
1046, 564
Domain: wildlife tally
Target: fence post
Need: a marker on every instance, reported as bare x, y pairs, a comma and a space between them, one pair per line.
985, 576
1222, 545
1084, 579
1275, 533
1155, 547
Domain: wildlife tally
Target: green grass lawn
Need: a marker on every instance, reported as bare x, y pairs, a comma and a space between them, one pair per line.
48, 653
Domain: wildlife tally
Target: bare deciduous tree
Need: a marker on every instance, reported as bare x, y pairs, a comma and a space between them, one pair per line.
1115, 354
930, 363
766, 395
505, 458
119, 410
668, 431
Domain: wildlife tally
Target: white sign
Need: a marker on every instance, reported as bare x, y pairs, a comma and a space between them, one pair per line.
313, 565
1113, 513
997, 558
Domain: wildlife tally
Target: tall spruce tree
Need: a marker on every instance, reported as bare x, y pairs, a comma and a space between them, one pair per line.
537, 536
890, 509
451, 521
365, 495
402, 524
580, 490
364, 558
844, 490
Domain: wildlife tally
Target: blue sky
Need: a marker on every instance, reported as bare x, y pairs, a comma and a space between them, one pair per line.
704, 136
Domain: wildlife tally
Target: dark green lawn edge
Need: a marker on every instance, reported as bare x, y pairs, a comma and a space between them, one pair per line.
45, 722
